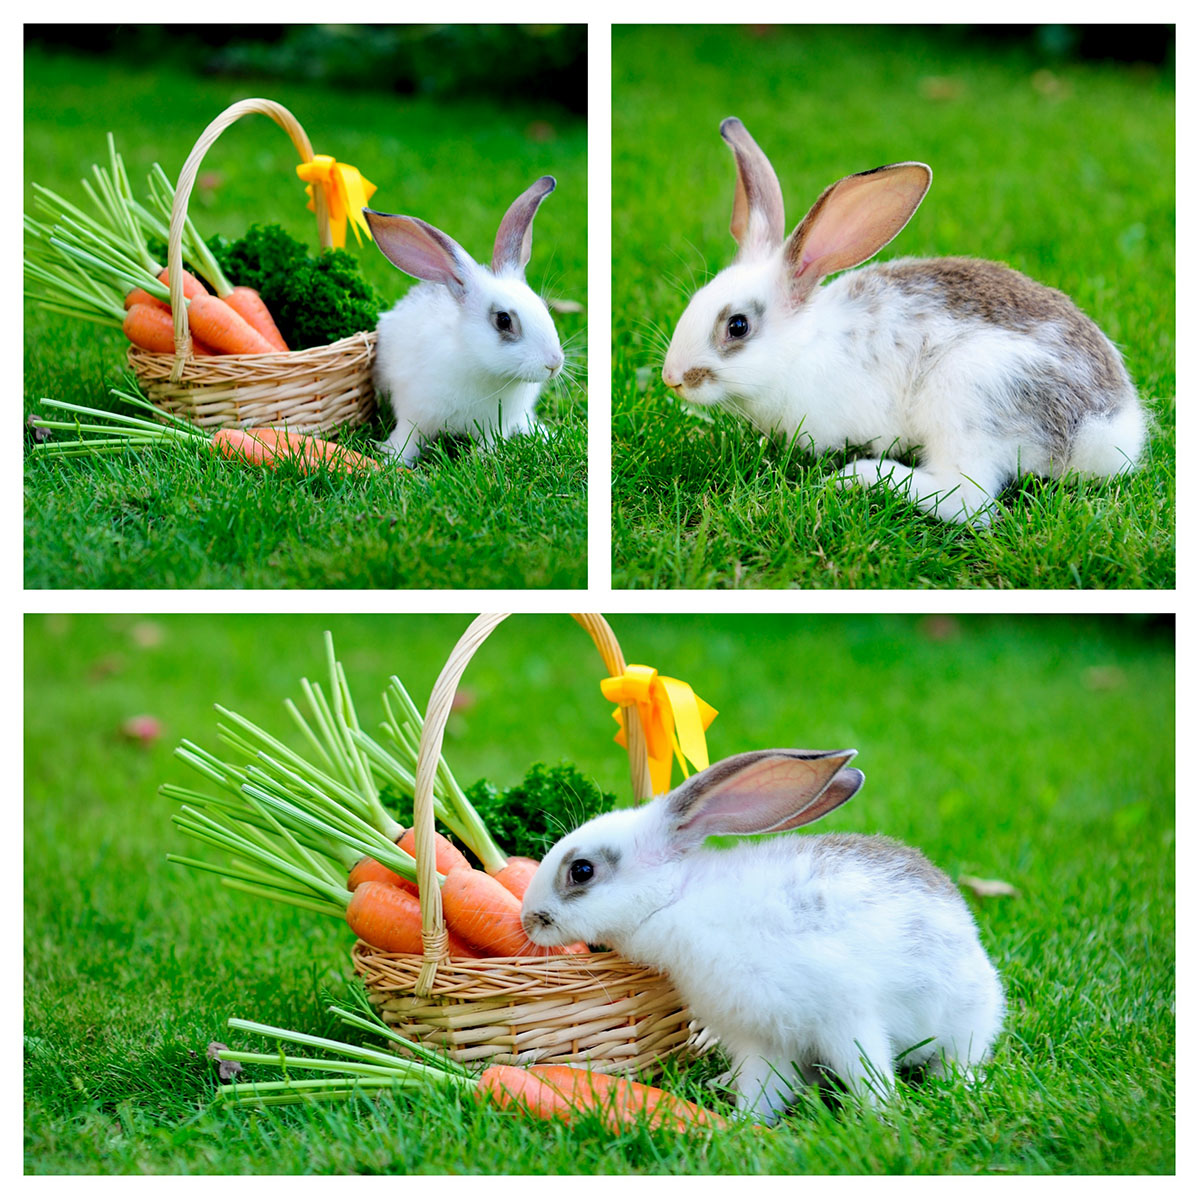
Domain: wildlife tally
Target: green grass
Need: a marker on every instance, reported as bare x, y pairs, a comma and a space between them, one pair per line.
978, 736
1067, 175
467, 518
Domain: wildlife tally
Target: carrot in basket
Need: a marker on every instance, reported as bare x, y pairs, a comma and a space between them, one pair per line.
367, 869
483, 912
150, 327
140, 296
446, 854
266, 447
192, 287
249, 305
515, 874
214, 322
389, 919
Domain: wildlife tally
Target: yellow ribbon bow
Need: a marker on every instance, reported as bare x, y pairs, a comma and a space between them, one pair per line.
346, 194
673, 716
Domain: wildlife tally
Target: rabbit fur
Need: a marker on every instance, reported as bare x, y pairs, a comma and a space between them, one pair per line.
975, 368
468, 350
839, 952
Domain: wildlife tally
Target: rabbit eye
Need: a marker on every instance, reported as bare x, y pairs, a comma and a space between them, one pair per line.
581, 871
738, 326
503, 322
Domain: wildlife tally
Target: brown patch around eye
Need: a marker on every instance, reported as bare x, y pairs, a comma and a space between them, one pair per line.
695, 376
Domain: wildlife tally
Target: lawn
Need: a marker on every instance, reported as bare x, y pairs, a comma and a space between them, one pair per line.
978, 736
1063, 170
466, 518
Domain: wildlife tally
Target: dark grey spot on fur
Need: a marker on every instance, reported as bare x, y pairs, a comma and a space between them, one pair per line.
997, 294
695, 376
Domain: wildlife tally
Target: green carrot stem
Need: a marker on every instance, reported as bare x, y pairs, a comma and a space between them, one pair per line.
268, 892
358, 1053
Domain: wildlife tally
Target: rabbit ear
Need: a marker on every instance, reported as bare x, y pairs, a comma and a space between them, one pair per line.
842, 787
852, 220
757, 221
514, 238
760, 791
419, 249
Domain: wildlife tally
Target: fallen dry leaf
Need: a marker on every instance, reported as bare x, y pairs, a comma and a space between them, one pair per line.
987, 887
226, 1069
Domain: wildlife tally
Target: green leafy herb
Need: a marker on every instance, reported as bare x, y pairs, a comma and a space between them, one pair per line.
315, 301
529, 817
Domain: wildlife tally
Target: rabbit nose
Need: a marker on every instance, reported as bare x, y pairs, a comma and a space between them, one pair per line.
554, 363
671, 377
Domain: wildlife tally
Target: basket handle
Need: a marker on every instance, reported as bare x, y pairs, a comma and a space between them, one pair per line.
183, 192
429, 749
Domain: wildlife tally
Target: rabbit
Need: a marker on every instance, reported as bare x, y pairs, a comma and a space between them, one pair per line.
838, 952
468, 350
980, 371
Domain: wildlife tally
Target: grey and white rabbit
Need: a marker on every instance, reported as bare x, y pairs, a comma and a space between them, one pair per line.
468, 350
978, 369
841, 952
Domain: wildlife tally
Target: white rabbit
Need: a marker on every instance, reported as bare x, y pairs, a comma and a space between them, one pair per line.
469, 350
797, 953
980, 371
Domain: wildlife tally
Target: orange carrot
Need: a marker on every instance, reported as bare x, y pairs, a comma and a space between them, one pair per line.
249, 305
149, 327
214, 322
139, 295
368, 868
623, 1101
446, 854
516, 874
389, 919
267, 447
483, 912
564, 1093
191, 285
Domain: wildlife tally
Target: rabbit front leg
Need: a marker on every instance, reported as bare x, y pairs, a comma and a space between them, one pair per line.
947, 495
764, 1086
404, 443
865, 1067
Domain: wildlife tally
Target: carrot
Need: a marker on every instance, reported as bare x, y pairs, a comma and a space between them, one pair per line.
266, 447
149, 326
516, 874
140, 296
446, 854
389, 919
368, 868
214, 322
483, 912
192, 287
623, 1100
249, 305
564, 1093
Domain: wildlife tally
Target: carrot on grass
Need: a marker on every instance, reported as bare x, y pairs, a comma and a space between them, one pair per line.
563, 1093
389, 919
267, 447
623, 1100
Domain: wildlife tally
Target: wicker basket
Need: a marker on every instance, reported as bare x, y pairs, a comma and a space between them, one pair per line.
307, 390
594, 1008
